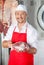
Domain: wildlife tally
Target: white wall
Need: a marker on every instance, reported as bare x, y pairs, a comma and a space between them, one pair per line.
39, 57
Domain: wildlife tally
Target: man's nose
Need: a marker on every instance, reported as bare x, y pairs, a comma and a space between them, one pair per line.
20, 15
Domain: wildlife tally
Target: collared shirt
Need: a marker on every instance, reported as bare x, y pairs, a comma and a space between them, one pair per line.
32, 34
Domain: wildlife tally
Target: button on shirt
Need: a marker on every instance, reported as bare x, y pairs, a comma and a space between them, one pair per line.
32, 34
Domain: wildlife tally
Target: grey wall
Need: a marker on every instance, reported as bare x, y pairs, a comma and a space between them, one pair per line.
32, 18
32, 7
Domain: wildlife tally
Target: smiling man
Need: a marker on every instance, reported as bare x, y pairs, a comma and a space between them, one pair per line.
21, 33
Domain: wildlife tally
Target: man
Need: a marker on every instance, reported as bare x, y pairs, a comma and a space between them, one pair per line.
21, 32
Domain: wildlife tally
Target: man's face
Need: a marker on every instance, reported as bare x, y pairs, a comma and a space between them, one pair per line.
20, 16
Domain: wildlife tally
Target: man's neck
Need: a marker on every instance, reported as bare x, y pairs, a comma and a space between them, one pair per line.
20, 25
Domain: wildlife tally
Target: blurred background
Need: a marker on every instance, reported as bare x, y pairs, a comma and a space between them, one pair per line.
34, 18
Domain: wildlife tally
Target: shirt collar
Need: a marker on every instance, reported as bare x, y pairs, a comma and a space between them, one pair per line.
23, 25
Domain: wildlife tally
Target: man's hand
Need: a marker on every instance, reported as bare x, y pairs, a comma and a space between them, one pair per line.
7, 44
31, 50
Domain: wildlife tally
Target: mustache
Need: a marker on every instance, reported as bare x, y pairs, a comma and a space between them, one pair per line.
20, 18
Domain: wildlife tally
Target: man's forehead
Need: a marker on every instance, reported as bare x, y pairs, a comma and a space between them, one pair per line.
20, 12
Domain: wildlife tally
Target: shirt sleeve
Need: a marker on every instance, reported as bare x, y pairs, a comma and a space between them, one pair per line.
9, 33
32, 36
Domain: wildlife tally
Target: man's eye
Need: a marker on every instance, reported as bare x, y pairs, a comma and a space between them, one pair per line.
17, 13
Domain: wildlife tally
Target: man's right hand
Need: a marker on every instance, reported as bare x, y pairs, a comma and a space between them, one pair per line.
7, 44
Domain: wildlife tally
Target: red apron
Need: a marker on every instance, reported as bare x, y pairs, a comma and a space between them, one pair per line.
20, 58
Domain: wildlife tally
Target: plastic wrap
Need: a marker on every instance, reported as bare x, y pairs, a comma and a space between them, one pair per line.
20, 46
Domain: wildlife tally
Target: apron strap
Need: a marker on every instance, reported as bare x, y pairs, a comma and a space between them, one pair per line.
25, 31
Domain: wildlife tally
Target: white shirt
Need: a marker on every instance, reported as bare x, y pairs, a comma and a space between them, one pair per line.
32, 34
